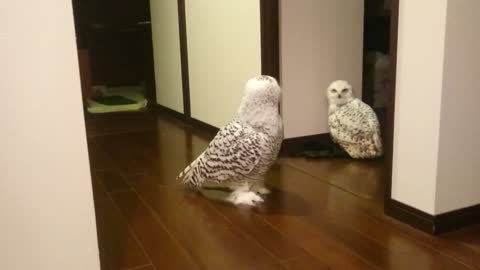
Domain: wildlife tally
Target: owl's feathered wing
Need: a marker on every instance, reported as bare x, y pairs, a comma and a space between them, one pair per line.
230, 156
356, 128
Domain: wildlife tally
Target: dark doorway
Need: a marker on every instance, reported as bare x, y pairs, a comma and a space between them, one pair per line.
114, 41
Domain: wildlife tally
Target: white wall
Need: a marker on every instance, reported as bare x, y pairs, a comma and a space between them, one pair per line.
417, 102
320, 41
458, 183
46, 203
224, 51
166, 49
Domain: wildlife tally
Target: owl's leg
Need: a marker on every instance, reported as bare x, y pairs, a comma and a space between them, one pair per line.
243, 195
214, 185
239, 186
259, 187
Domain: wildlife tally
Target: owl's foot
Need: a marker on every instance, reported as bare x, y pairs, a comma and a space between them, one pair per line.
244, 197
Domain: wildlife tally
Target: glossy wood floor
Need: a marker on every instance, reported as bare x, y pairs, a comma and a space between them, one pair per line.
322, 214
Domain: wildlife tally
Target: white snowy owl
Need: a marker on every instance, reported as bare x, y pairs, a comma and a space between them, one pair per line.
242, 151
353, 124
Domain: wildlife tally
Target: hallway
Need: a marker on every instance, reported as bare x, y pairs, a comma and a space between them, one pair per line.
322, 214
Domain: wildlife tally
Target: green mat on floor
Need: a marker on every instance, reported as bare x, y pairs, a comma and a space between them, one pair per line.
117, 99
323, 150
114, 100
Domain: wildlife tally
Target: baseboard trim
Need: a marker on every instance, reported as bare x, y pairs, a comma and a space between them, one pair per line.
457, 219
204, 126
433, 224
189, 120
171, 112
292, 146
409, 215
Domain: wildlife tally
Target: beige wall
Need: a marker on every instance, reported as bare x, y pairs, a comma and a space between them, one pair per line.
166, 48
223, 53
46, 204
417, 102
458, 183
436, 136
320, 41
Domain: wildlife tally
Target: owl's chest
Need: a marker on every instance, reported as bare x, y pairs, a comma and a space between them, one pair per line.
348, 114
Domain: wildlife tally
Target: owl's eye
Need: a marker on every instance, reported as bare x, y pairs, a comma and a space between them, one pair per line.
344, 90
334, 91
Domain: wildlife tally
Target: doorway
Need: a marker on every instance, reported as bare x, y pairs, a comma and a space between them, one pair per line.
115, 51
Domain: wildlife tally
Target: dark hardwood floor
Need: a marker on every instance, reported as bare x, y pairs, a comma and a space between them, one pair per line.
322, 214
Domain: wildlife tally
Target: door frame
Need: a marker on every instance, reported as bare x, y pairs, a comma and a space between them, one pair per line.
270, 40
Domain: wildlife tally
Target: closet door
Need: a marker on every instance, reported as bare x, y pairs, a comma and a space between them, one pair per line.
166, 50
224, 51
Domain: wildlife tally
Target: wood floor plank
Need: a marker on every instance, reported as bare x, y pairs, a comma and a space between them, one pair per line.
451, 250
110, 124
112, 180
386, 255
276, 266
369, 239
168, 158
209, 238
99, 160
149, 267
327, 249
322, 214
124, 150
344, 174
159, 244
338, 219
398, 244
122, 251
253, 225
99, 192
306, 262
103, 259
454, 248
468, 236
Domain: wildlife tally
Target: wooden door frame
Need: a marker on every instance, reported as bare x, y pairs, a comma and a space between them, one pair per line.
390, 121
182, 27
270, 40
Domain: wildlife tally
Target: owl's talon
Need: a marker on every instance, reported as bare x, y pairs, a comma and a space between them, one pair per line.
245, 198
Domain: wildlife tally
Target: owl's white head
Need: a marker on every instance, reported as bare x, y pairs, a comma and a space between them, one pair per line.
339, 92
260, 102
262, 91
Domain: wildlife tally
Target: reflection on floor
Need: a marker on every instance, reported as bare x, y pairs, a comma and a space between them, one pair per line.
321, 214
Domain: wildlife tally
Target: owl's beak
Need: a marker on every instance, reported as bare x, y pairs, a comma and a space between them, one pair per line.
339, 96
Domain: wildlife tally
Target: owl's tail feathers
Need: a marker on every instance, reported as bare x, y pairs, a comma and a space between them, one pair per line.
188, 176
183, 176
377, 140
